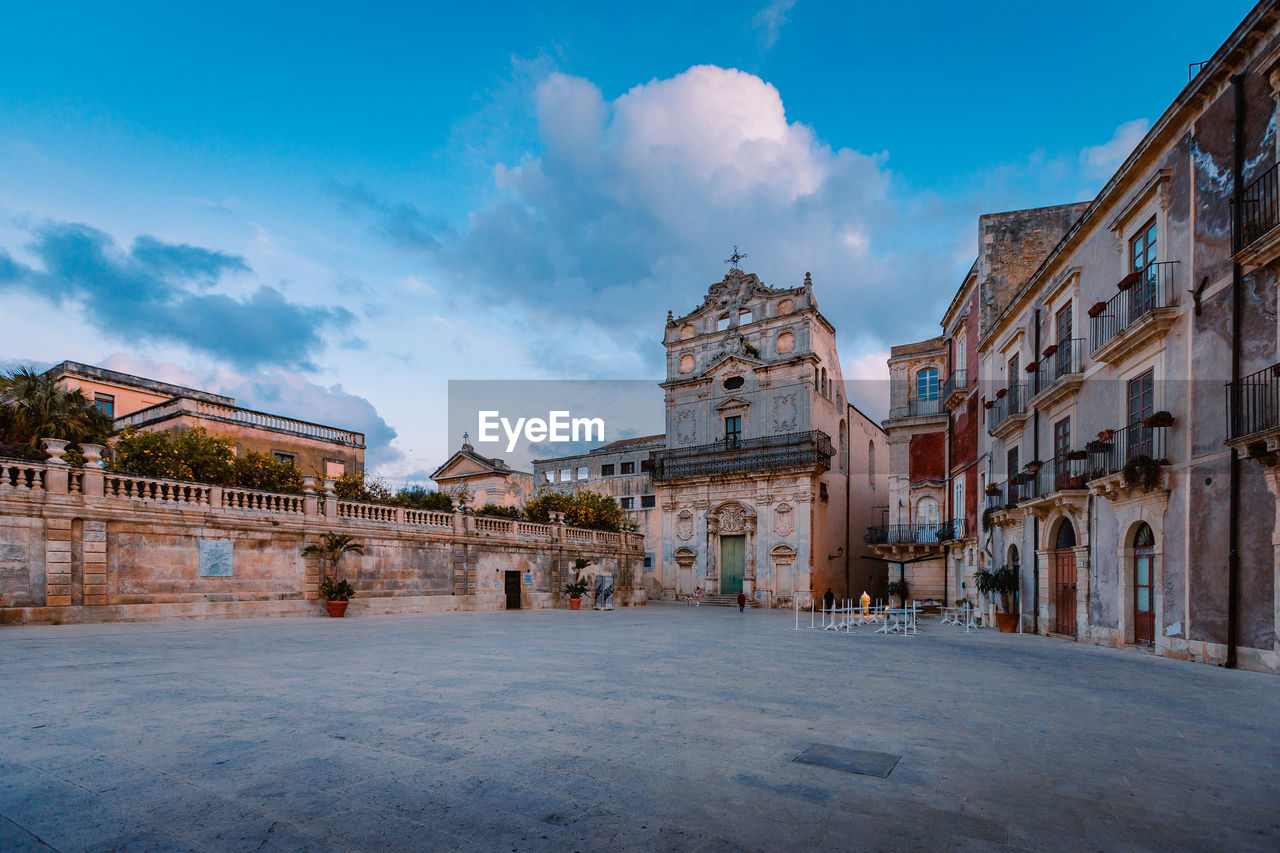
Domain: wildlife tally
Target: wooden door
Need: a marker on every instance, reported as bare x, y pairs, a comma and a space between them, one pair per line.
1144, 611
1065, 580
733, 559
513, 590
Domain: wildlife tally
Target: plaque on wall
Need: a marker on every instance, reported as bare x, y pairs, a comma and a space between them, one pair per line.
215, 558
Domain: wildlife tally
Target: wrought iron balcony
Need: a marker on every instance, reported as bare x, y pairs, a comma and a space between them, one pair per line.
811, 449
1014, 402
915, 407
916, 533
1154, 289
1253, 404
1109, 456
957, 383
1066, 360
1258, 210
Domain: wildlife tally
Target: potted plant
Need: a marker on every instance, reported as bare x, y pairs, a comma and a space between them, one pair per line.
577, 587
1001, 393
1033, 466
1158, 420
1129, 281
988, 404
336, 595
1050, 350
1004, 583
331, 548
1076, 455
993, 489
1032, 365
899, 588
1097, 309
1142, 471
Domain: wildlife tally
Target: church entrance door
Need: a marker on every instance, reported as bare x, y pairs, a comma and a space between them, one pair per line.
733, 561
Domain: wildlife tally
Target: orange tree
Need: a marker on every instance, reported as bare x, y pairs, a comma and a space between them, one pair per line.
581, 509
184, 454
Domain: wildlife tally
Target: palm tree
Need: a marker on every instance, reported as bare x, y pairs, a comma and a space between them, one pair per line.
332, 548
35, 406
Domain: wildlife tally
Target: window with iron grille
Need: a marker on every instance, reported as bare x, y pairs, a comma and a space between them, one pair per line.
648, 501
627, 468
606, 470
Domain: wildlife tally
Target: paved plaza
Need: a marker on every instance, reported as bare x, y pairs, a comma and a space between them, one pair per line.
658, 728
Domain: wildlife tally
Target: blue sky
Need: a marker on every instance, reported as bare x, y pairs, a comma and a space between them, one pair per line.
333, 209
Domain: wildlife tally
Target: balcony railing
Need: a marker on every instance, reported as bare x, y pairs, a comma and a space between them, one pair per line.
771, 452
201, 409
1065, 360
1109, 456
1014, 402
1154, 289
957, 381
914, 407
1258, 211
916, 533
1253, 403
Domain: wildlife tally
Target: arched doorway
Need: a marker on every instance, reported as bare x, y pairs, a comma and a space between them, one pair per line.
1064, 579
1144, 609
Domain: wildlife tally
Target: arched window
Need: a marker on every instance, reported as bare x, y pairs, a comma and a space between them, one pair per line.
871, 463
844, 447
824, 382
927, 384
926, 520
1015, 561
1144, 538
1066, 537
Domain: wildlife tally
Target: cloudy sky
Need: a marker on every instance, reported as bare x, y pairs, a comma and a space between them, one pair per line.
330, 210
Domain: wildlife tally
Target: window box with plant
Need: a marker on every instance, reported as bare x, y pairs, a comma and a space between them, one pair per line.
1033, 466
1000, 393
1097, 309
993, 490
1077, 455
1049, 350
1159, 420
1031, 366
988, 404
1142, 471
1129, 281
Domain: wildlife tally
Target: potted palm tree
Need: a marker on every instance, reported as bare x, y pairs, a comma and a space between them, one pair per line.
577, 587
1003, 582
331, 548
899, 588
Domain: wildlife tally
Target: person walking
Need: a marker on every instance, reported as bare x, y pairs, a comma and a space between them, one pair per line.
828, 600
742, 601
697, 597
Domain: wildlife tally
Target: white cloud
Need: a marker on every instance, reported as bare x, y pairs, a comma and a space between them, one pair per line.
769, 21
866, 380
1100, 161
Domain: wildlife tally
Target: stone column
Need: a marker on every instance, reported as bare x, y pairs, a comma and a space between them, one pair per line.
1043, 558
330, 498
1272, 476
1083, 626
91, 482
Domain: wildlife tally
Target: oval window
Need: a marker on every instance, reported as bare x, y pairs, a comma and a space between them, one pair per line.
733, 383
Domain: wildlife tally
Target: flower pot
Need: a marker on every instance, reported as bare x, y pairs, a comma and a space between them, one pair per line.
1106, 435
1129, 281
1097, 309
1001, 393
1007, 623
1049, 350
575, 603
337, 609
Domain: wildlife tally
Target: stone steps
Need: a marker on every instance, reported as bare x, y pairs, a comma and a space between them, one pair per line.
719, 600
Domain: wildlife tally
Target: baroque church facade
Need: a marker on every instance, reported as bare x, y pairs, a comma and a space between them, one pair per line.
754, 481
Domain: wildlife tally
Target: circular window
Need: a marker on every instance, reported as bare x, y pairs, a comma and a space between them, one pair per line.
686, 364
733, 383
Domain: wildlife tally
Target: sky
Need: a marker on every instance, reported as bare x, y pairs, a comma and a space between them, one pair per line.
332, 210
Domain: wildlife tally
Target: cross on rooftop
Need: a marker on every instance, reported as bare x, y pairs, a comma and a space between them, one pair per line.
736, 258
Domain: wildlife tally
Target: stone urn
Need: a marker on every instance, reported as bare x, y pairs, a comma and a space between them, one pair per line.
329, 484
56, 448
93, 455
308, 484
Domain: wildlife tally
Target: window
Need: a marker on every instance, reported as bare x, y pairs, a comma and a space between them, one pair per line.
627, 503
648, 501
582, 472
1012, 458
957, 499
927, 384
549, 476
1063, 321
1141, 404
627, 468
722, 323
744, 316
334, 468
822, 492
646, 465
1142, 248
733, 383
871, 463
648, 562
287, 458
606, 470
958, 357
1061, 447
927, 512
733, 429
105, 403
565, 475
1013, 370
844, 447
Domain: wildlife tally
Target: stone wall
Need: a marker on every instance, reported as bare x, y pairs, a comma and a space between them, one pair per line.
89, 545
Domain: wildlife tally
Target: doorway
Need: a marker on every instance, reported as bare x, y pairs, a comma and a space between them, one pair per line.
1064, 580
1144, 557
733, 560
513, 590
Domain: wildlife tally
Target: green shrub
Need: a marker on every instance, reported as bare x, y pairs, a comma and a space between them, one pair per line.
581, 509
259, 471
184, 454
359, 486
499, 511
418, 497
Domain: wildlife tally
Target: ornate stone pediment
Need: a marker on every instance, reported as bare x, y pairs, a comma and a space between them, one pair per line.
731, 517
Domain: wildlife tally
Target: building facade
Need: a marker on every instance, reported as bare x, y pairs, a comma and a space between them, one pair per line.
754, 477
474, 480
147, 404
620, 469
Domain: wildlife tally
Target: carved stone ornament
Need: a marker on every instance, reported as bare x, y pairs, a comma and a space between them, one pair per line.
684, 525
733, 519
784, 522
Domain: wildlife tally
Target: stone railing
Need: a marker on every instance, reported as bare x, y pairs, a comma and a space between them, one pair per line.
202, 409
41, 479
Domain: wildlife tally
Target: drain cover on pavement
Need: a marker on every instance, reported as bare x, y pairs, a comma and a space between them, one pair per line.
849, 760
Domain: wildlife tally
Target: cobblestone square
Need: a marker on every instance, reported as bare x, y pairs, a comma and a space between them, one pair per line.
666, 727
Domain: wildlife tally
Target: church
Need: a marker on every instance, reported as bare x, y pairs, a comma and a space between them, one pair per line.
766, 468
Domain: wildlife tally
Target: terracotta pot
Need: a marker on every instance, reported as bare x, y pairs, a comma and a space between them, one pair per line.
1007, 622
575, 603
337, 609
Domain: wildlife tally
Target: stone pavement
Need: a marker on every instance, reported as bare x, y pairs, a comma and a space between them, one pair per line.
666, 727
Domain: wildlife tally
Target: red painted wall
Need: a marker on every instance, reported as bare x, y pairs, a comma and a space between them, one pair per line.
928, 456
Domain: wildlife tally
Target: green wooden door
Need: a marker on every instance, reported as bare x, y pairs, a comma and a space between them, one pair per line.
733, 560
